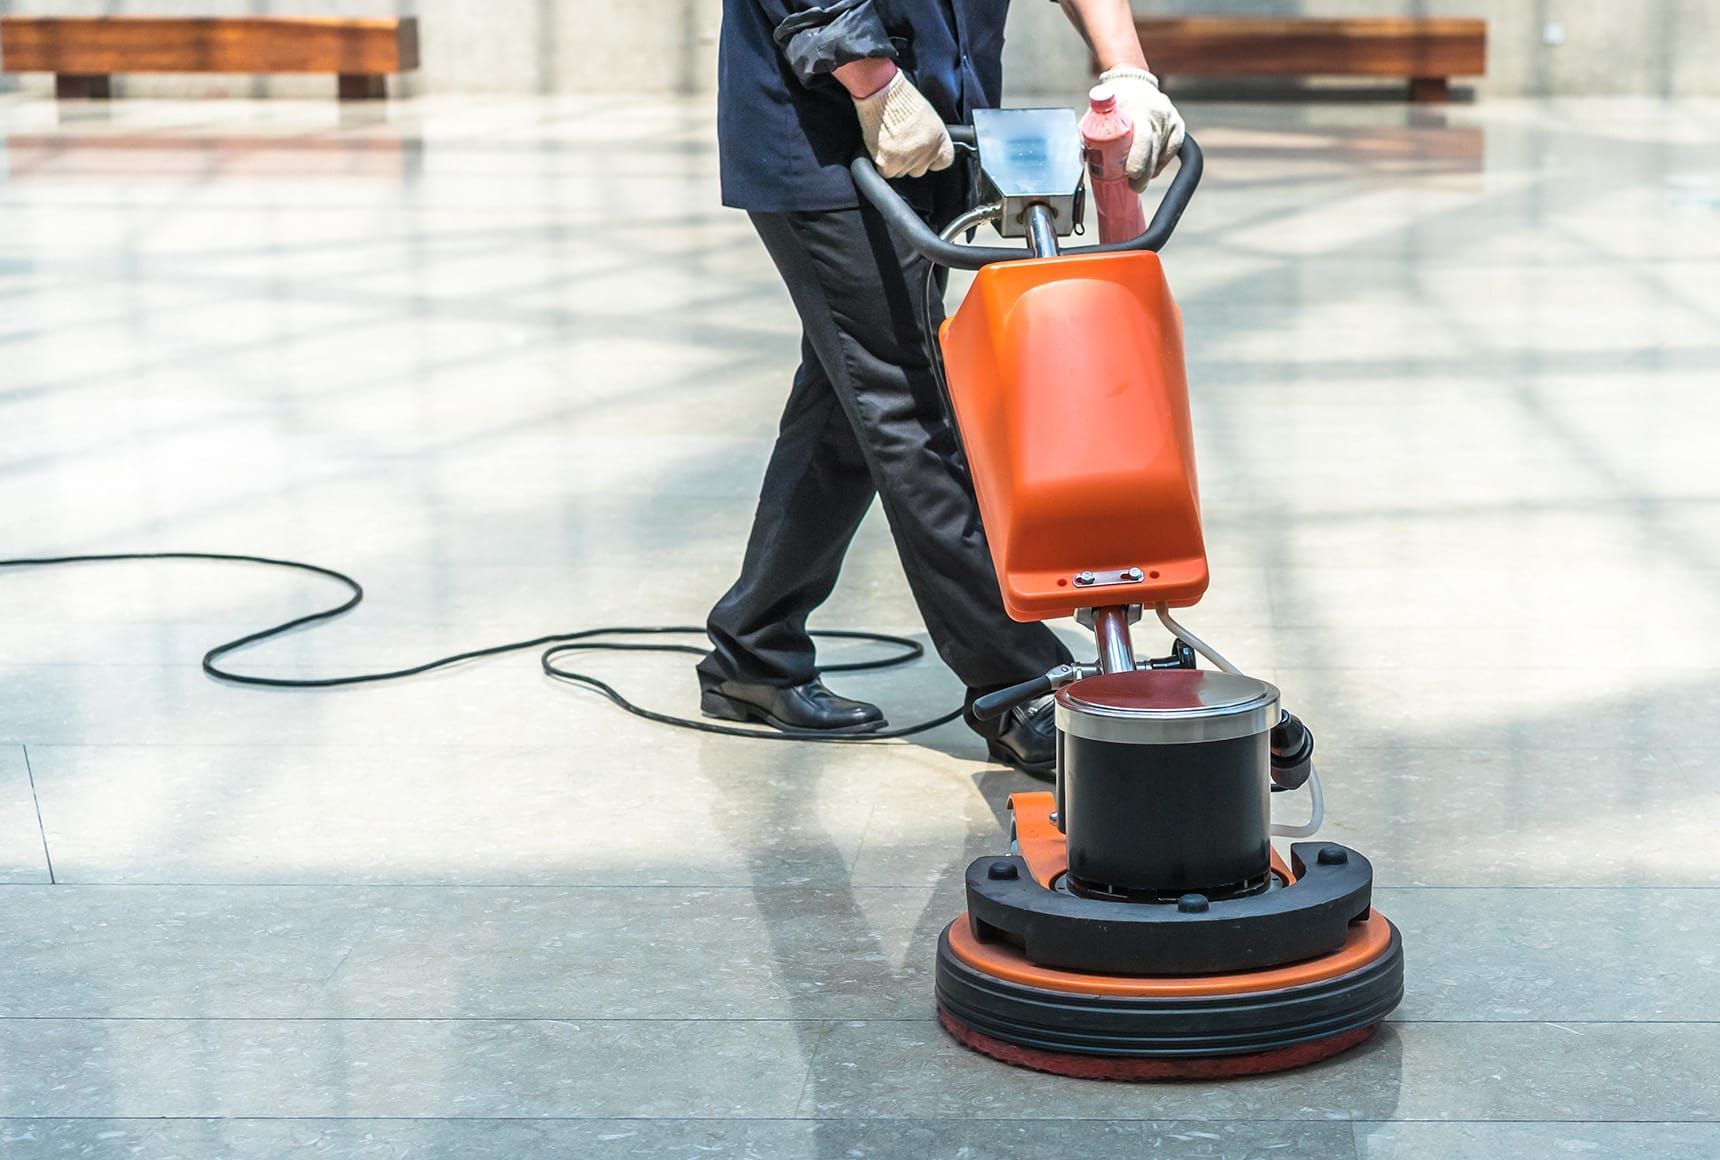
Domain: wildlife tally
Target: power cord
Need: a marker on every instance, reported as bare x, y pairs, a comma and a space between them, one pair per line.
558, 645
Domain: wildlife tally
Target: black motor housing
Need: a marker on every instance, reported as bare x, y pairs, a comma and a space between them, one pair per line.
1164, 783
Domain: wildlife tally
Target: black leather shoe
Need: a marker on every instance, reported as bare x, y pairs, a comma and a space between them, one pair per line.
810, 706
1024, 738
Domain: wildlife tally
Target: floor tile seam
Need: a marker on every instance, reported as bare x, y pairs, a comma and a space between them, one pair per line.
954, 1121
782, 1020
800, 1093
687, 887
1588, 886
437, 746
765, 888
865, 833
36, 801
71, 884
410, 746
1641, 668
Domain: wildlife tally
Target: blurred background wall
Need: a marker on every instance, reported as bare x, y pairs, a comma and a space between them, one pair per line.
1606, 47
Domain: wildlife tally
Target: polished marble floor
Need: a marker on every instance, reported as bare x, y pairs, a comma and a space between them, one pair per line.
1457, 387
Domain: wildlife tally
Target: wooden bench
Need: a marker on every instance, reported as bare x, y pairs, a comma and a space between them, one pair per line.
84, 52
1428, 52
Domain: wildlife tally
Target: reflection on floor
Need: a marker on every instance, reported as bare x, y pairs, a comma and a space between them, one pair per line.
510, 363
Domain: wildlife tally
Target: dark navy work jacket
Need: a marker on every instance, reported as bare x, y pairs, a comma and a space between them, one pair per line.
787, 129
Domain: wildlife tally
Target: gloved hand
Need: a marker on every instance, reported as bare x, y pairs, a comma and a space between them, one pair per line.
1158, 125
903, 133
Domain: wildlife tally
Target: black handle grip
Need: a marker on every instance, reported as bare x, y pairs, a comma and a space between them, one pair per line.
907, 224
996, 704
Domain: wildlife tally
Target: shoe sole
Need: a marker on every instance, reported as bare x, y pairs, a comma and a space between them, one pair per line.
720, 707
1043, 770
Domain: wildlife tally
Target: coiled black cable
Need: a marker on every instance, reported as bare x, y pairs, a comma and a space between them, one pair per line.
557, 645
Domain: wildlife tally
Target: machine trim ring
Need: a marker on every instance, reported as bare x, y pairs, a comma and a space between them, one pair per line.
1170, 726
1367, 941
1234, 1023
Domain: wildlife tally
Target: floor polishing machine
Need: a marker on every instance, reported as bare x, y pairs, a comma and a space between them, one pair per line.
1140, 924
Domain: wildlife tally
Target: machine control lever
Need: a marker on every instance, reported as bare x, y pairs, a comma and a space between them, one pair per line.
994, 705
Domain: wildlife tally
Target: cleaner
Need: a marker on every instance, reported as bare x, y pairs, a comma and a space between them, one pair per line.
1140, 924
1106, 136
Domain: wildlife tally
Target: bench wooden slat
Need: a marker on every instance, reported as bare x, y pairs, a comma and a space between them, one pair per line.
93, 46
1428, 51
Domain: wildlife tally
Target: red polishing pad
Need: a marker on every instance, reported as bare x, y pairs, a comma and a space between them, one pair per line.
1202, 1067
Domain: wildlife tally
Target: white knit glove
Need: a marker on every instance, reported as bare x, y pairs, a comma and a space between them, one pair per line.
1158, 125
904, 134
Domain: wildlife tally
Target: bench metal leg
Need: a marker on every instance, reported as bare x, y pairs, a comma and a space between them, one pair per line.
83, 86
363, 87
1430, 90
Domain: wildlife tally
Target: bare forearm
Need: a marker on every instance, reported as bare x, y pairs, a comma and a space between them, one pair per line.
1108, 27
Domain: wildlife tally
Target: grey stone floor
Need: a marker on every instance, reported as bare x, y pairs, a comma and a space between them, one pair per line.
1455, 377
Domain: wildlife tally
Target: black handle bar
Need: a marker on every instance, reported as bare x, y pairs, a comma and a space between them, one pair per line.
909, 225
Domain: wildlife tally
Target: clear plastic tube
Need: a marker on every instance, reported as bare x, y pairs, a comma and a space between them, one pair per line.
1317, 802
1316, 812
1193, 641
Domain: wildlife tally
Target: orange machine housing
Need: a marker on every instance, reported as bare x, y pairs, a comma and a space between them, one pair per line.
1068, 384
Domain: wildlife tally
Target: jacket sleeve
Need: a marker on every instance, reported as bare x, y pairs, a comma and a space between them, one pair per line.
818, 38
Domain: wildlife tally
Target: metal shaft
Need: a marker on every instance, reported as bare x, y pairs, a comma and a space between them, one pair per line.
977, 216
1116, 648
1042, 230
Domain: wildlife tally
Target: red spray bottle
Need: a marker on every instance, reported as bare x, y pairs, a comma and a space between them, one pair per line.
1107, 133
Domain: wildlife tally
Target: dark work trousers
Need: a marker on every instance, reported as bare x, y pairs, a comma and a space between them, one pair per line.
864, 417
